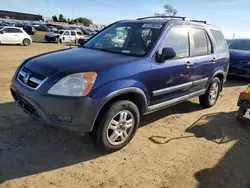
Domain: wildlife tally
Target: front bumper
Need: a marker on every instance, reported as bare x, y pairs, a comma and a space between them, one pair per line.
77, 114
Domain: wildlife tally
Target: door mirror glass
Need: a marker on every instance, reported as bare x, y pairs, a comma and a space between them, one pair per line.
167, 53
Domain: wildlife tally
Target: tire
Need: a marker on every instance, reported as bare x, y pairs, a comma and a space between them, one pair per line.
107, 136
60, 41
241, 113
26, 42
210, 98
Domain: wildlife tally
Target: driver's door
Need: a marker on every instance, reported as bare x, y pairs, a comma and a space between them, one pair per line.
172, 79
8, 36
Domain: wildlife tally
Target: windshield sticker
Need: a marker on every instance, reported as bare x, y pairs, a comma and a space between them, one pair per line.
153, 26
126, 51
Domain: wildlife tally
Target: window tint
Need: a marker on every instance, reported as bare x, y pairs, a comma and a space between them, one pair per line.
8, 30
202, 43
66, 33
220, 40
17, 30
73, 33
178, 39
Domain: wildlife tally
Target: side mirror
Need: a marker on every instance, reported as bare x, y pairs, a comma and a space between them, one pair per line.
167, 53
1, 32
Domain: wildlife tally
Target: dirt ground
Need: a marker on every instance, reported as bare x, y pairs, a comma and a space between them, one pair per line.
182, 146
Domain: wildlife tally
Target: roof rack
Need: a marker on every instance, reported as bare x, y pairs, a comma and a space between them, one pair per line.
180, 17
200, 21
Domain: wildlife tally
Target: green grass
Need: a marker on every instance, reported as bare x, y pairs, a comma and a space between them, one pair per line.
39, 36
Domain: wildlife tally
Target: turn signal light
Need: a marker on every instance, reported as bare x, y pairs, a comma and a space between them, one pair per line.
247, 90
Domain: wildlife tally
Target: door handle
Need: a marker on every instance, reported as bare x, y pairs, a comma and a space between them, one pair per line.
188, 64
214, 60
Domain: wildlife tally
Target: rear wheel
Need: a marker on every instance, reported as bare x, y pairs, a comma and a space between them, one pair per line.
26, 42
60, 41
210, 98
117, 127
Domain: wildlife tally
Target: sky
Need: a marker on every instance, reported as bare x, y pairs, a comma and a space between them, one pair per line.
231, 16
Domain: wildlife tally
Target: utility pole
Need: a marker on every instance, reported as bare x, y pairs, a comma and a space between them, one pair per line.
73, 10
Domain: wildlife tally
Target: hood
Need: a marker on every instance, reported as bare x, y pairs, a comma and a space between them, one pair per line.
75, 60
52, 34
239, 55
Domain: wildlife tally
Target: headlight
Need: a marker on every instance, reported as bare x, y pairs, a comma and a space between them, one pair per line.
76, 85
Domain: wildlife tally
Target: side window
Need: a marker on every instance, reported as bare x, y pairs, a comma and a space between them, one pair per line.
8, 30
202, 43
220, 40
66, 33
73, 33
79, 33
178, 39
17, 30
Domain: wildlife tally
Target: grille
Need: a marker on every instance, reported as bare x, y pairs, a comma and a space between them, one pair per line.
30, 79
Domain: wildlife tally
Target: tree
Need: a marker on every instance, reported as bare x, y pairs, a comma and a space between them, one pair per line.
169, 10
61, 18
87, 21
55, 18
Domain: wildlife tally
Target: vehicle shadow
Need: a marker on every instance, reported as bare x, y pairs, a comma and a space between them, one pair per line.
233, 169
27, 147
233, 81
184, 107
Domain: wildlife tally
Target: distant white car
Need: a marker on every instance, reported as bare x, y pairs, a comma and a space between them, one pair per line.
64, 36
14, 35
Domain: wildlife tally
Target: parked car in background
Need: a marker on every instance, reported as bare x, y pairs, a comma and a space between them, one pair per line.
42, 28
52, 29
14, 35
29, 29
64, 36
240, 58
103, 89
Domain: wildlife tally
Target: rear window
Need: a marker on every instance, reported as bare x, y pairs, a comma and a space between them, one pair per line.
220, 40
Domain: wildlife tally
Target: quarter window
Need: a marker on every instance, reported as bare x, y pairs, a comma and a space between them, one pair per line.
202, 43
73, 33
178, 39
220, 40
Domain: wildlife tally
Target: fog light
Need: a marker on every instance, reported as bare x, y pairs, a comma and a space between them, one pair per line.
63, 119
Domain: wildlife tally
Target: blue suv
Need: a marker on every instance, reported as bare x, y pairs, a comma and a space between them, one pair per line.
131, 68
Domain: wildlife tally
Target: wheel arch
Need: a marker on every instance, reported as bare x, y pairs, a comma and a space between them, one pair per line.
133, 94
222, 77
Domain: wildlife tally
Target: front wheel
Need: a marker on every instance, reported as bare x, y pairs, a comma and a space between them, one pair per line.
210, 98
117, 127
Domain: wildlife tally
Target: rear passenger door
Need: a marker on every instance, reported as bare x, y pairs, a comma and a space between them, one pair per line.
204, 58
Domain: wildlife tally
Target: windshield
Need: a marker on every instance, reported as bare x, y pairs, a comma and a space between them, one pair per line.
240, 44
127, 38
